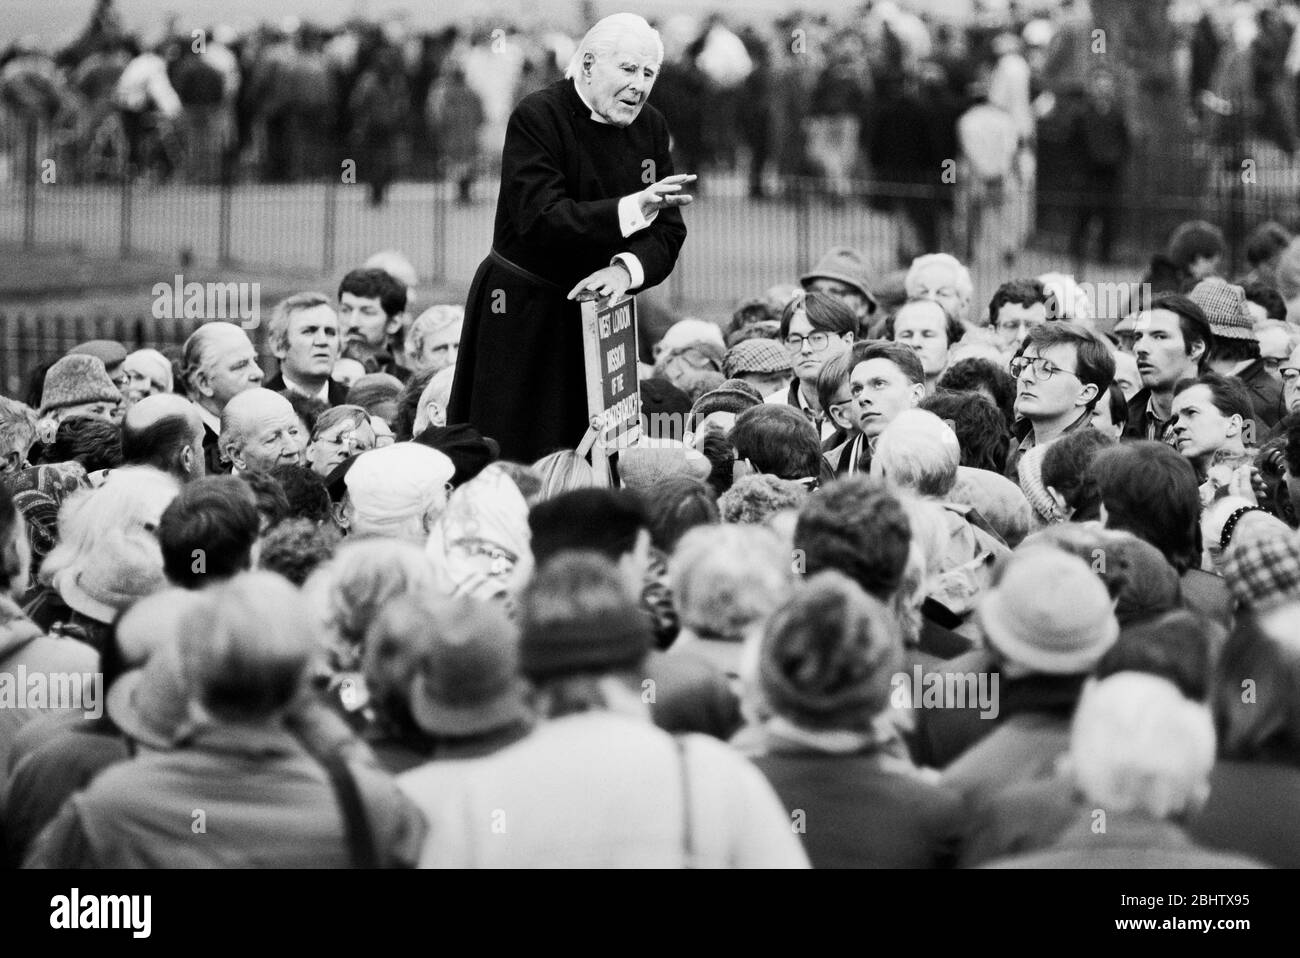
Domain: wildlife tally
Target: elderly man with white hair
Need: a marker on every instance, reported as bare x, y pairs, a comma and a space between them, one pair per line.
260, 430
942, 278
396, 491
218, 362
589, 207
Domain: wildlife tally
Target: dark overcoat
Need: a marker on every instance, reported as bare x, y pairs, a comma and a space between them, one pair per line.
520, 376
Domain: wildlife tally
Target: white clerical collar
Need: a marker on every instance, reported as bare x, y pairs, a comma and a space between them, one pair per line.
587, 103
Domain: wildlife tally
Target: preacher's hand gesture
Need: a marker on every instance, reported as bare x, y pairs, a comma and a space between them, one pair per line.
612, 282
665, 193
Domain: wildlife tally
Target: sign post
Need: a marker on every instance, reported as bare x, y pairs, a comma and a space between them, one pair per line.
609, 340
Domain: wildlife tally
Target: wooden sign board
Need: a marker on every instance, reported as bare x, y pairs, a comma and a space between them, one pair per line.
609, 339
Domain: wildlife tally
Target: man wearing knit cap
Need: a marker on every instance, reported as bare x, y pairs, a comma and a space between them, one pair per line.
1045, 647
717, 409
1236, 350
77, 386
396, 491
597, 784
760, 362
842, 273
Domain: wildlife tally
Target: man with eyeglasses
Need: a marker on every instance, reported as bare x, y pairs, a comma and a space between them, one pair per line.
1017, 307
1061, 372
815, 328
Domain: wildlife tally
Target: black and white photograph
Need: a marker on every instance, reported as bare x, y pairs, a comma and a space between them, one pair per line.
651, 434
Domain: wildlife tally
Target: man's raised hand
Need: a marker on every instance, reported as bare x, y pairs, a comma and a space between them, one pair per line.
667, 192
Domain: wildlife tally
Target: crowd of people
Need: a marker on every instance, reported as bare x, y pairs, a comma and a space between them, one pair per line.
874, 95
892, 579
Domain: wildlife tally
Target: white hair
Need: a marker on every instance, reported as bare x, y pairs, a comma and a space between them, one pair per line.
961, 280
430, 321
727, 578
603, 39
918, 452
1138, 745
437, 390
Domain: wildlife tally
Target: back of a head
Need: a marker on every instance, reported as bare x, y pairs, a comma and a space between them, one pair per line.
598, 520
377, 394
1148, 489
1138, 746
919, 453
563, 471
364, 575
1256, 696
208, 531
246, 648
94, 443
1193, 240
855, 526
675, 506
726, 578
828, 656
1065, 468
1176, 646
578, 618
156, 431
778, 440
129, 504
979, 425
305, 491
755, 499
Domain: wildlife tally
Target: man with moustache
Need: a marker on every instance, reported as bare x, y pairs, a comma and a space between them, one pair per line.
1171, 341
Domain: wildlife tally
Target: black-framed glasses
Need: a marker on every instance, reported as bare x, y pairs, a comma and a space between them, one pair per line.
1289, 373
1044, 369
818, 341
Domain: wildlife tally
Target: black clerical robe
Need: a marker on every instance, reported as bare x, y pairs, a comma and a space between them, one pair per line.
520, 377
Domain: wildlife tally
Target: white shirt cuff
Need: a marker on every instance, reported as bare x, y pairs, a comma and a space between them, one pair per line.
633, 267
630, 219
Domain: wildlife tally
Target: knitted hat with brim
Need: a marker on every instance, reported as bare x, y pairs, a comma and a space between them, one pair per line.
1049, 612
606, 640
828, 656
845, 264
151, 704
733, 396
75, 380
470, 686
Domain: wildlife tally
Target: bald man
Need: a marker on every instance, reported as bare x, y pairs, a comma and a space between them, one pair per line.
260, 430
218, 362
165, 431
